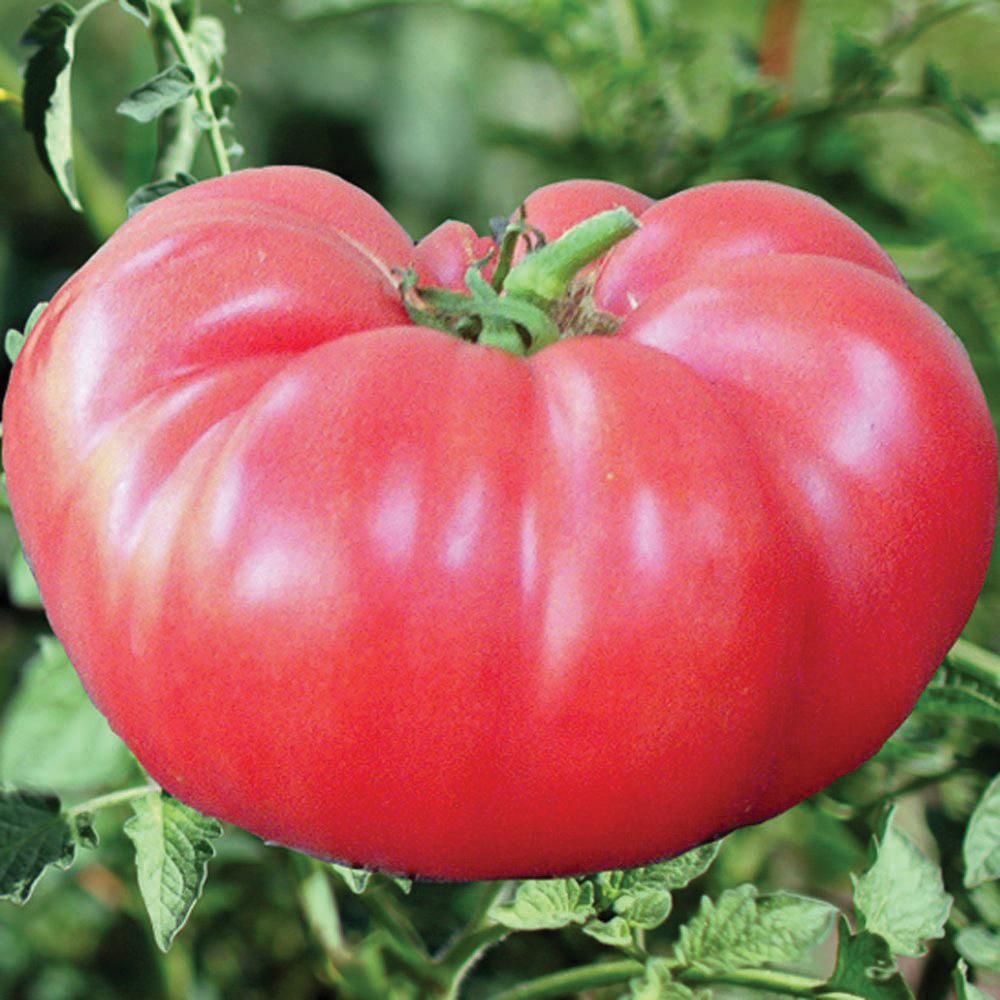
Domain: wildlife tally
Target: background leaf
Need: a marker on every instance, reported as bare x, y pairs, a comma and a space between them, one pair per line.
52, 736
901, 897
981, 846
33, 835
47, 109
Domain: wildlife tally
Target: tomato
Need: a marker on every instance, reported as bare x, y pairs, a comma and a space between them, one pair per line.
408, 601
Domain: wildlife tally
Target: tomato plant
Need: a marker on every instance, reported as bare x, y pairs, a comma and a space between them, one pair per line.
393, 596
560, 540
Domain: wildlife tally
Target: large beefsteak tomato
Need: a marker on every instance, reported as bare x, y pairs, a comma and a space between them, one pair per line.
393, 597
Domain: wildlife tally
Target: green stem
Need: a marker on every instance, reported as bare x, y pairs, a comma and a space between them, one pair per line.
382, 907
572, 981
543, 276
514, 232
627, 28
975, 661
783, 983
319, 904
463, 952
179, 40
88, 8
112, 799
490, 893
178, 132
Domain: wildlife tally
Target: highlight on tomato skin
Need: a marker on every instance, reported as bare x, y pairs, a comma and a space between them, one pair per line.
385, 593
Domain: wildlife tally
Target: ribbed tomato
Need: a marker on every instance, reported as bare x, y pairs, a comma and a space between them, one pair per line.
409, 601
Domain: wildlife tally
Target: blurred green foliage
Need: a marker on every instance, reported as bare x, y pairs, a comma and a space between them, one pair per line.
890, 110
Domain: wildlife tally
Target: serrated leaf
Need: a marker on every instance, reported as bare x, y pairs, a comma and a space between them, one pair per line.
865, 967
979, 946
981, 846
53, 737
657, 983
33, 835
140, 8
646, 908
741, 930
964, 990
162, 92
857, 66
149, 193
545, 904
685, 868
642, 895
173, 845
901, 897
356, 879
47, 109
614, 932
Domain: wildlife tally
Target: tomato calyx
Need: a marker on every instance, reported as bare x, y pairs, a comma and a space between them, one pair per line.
527, 305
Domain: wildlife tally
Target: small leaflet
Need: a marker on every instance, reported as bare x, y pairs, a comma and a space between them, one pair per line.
173, 845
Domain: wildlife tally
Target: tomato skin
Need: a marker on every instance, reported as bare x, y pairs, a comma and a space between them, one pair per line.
443, 256
404, 601
881, 451
726, 220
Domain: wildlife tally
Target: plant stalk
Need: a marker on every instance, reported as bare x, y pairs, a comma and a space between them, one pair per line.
179, 40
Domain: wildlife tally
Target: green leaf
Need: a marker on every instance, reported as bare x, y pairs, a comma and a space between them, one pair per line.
682, 870
901, 896
657, 983
741, 930
966, 686
642, 895
981, 847
13, 343
961, 697
986, 900
865, 967
964, 990
614, 932
937, 88
33, 835
208, 44
47, 110
155, 190
140, 8
33, 317
162, 92
356, 879
857, 67
16, 340
979, 946
403, 884
21, 584
53, 737
223, 97
545, 904
173, 844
